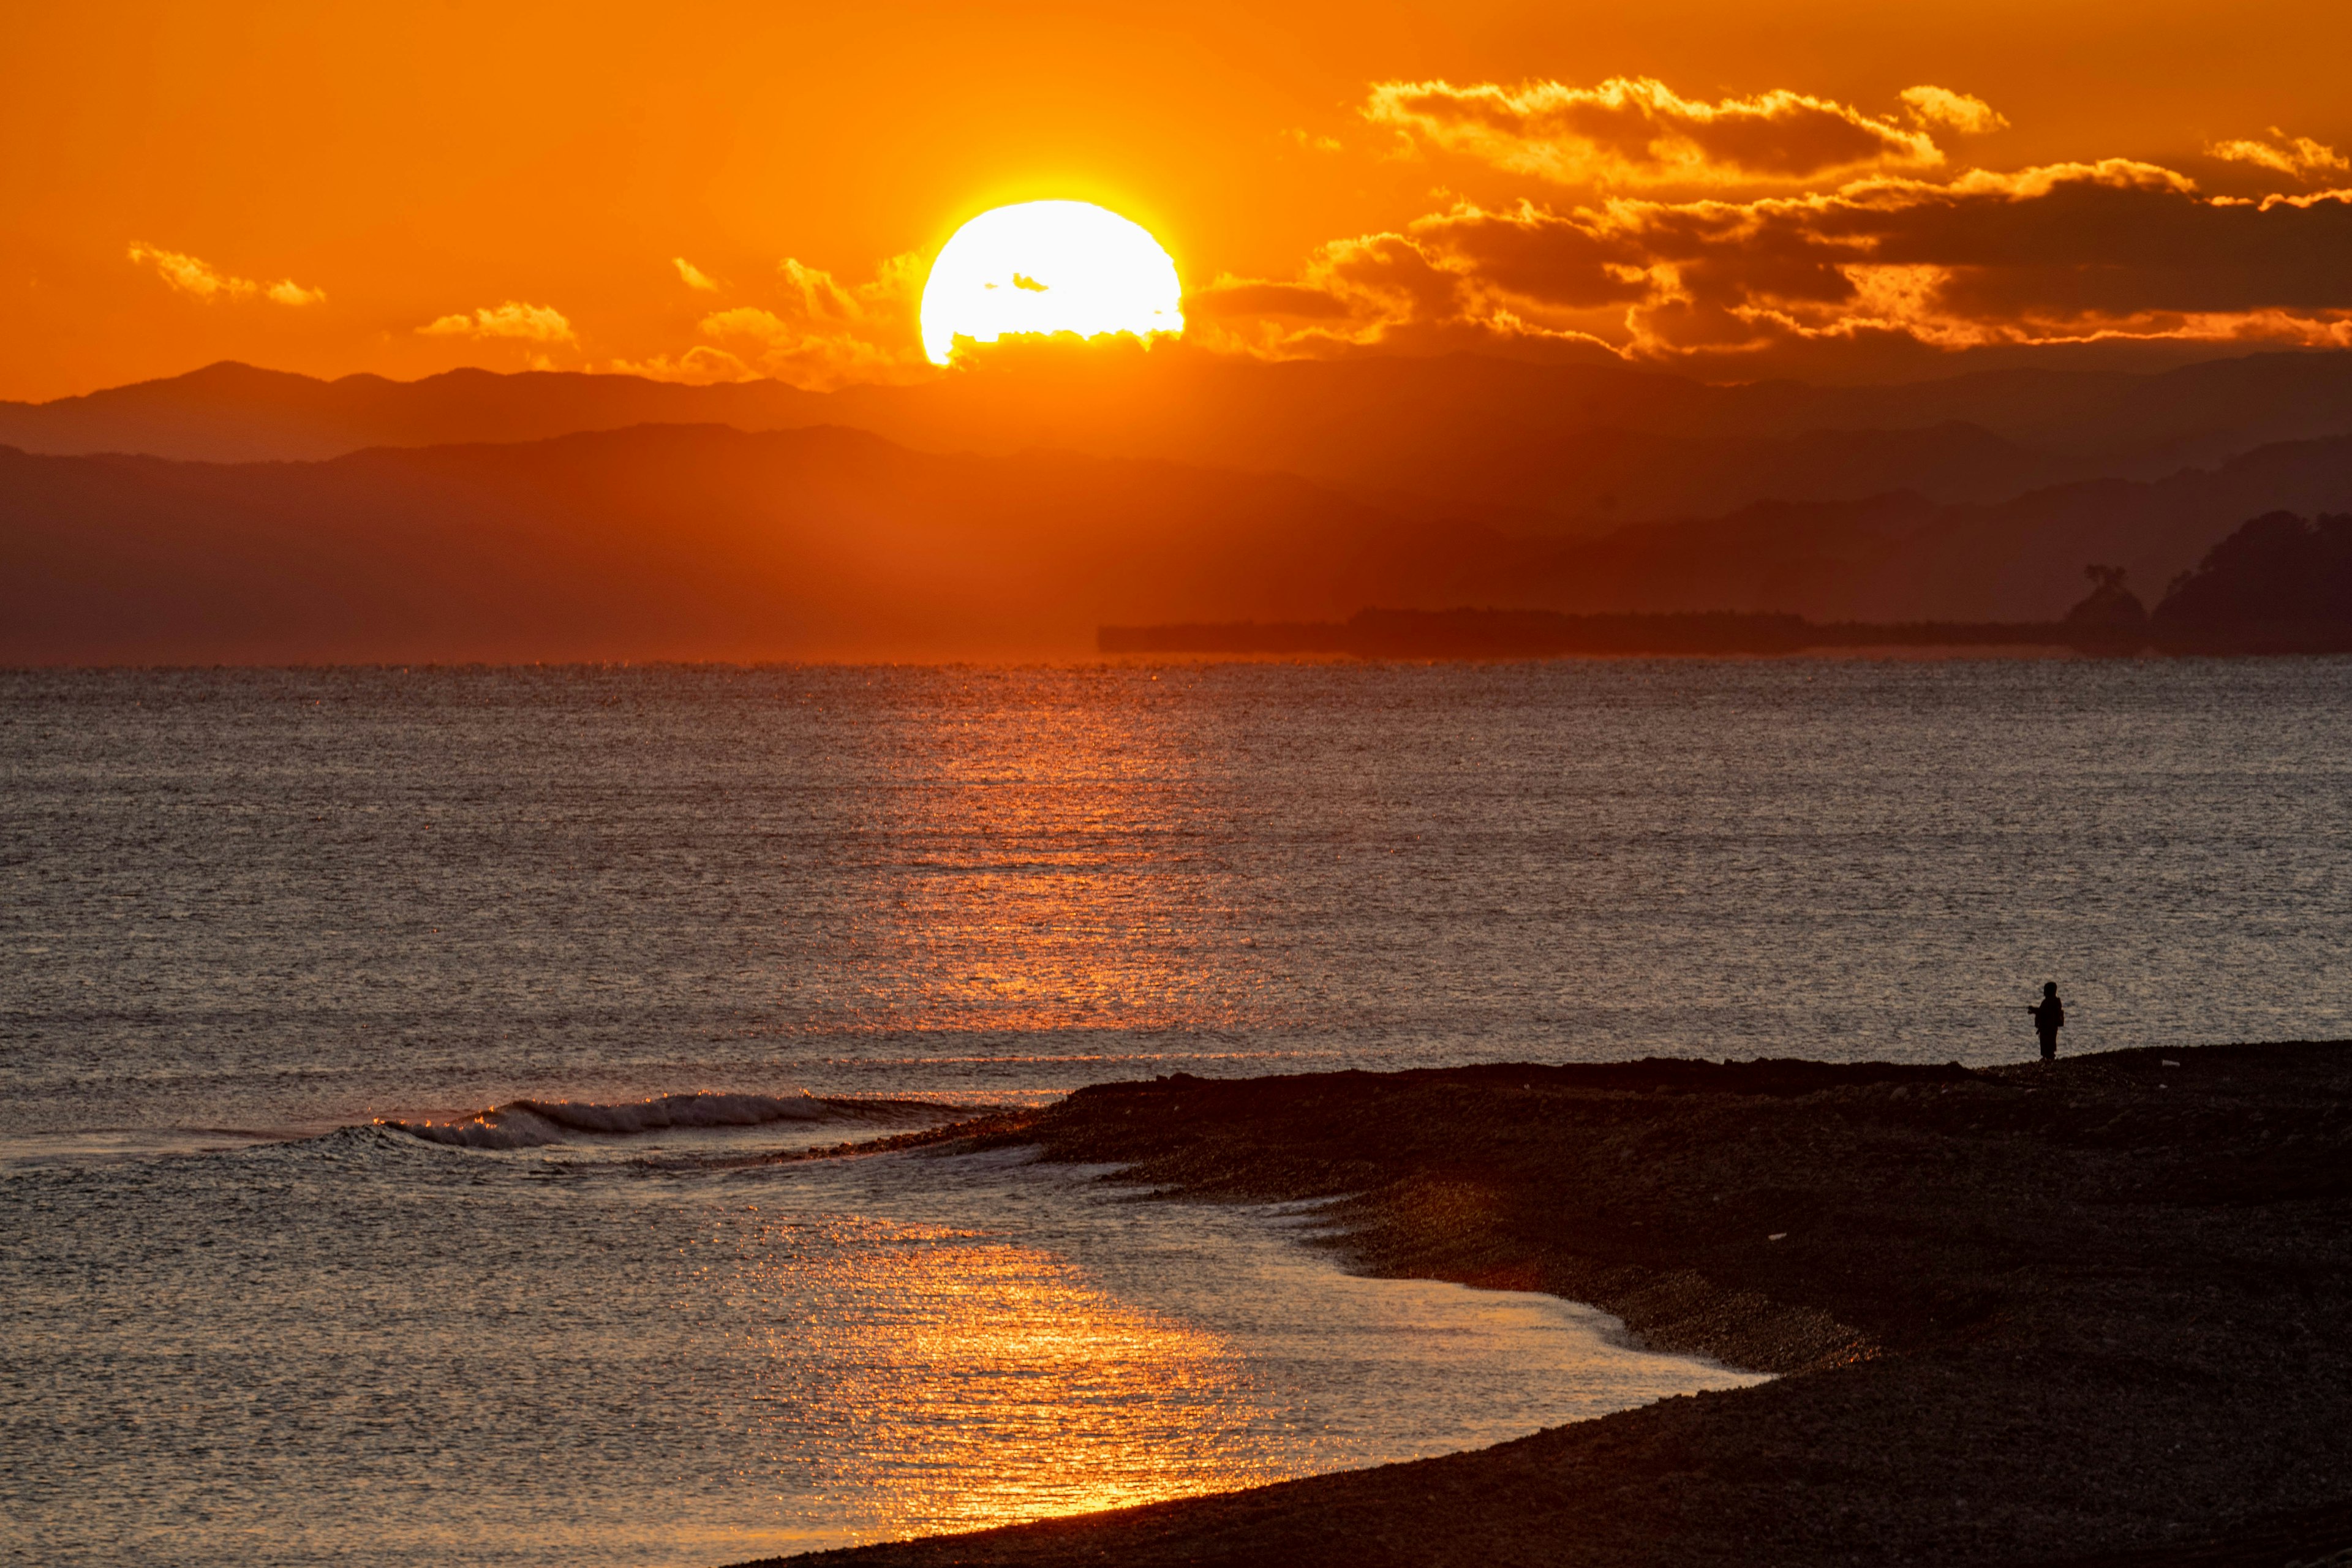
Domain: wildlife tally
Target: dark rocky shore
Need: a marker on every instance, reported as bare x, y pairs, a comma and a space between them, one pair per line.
2093, 1312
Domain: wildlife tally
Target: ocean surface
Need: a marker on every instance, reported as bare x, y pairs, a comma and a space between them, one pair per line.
388, 1057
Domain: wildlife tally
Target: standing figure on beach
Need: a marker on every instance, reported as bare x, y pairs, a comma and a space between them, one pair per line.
2049, 1017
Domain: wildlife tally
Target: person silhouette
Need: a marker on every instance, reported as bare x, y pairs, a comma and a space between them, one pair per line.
2049, 1017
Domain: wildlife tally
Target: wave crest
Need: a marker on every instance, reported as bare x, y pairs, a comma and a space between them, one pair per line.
532, 1123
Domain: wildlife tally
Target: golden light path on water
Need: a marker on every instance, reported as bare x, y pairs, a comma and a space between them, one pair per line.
949, 1343
986, 1381
1056, 875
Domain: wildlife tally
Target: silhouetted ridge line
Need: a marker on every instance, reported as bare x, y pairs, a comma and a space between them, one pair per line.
1572, 451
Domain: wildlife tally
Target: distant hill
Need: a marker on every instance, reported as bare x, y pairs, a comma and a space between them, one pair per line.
702, 542
2280, 583
1567, 450
231, 413
2123, 423
659, 542
1903, 558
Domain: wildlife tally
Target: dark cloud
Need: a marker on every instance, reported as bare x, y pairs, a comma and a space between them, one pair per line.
1229, 300
2064, 253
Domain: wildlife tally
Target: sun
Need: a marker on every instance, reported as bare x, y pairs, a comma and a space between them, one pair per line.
1049, 267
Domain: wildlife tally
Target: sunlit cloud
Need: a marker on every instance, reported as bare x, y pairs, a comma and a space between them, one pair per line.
700, 365
1953, 111
192, 274
889, 297
528, 323
1637, 131
820, 333
694, 276
748, 322
2301, 157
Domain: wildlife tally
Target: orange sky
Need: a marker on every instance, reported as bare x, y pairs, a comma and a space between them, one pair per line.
314, 186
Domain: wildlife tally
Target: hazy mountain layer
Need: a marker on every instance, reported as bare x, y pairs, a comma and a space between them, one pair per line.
680, 541
1900, 557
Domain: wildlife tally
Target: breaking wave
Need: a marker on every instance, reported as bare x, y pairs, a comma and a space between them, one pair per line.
530, 1123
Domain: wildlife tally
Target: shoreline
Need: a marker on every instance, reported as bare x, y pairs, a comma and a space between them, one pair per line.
1469, 634
2094, 1312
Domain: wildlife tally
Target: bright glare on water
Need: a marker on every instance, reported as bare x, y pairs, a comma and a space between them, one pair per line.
242, 908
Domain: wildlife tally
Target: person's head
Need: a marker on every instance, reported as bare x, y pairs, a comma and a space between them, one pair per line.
2050, 988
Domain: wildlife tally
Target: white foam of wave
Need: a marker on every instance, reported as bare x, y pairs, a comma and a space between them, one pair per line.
532, 1123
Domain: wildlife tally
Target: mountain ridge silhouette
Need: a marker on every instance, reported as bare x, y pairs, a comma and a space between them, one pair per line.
1569, 450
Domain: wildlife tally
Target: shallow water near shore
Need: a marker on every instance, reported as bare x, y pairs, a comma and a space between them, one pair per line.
247, 916
365, 1348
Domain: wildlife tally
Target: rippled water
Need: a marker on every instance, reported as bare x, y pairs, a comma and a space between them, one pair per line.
365, 1349
242, 908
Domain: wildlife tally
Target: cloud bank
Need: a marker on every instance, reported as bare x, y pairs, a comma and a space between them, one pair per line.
1691, 248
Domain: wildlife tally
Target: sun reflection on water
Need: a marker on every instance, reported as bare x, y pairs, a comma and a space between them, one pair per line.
1050, 869
957, 1381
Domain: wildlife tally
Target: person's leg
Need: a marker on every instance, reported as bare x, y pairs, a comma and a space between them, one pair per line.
2049, 1045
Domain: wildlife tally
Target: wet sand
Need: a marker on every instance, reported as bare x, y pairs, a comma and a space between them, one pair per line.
2092, 1312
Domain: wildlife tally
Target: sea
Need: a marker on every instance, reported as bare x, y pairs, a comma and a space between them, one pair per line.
393, 1062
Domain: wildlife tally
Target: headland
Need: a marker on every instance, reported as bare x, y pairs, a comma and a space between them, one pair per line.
2094, 1313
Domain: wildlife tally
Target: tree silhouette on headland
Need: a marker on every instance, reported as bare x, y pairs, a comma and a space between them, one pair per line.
2111, 607
2278, 583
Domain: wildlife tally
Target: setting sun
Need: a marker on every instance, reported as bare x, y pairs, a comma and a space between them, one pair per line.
1048, 266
